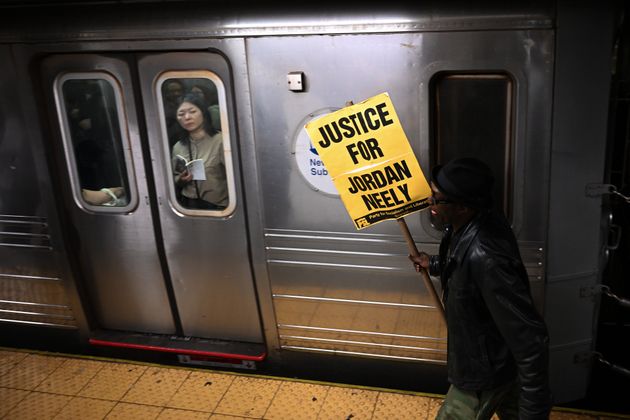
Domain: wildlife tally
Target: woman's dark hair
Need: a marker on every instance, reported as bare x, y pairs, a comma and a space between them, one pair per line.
199, 103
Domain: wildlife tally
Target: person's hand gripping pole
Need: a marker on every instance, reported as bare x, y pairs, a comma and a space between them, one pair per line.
422, 270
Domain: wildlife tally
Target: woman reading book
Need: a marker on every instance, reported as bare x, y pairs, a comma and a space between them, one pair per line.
206, 190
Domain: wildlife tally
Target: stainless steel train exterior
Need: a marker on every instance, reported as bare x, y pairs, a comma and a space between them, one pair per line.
281, 272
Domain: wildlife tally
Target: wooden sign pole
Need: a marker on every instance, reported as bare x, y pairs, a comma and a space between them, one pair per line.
425, 276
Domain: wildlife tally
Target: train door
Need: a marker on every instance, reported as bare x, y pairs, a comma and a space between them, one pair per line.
156, 257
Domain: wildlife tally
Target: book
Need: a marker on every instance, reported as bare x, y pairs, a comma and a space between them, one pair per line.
195, 167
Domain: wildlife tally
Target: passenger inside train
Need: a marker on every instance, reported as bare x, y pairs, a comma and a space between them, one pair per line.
208, 190
113, 196
207, 91
172, 93
96, 140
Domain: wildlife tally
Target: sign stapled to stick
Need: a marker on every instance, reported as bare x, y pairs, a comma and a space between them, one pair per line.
370, 161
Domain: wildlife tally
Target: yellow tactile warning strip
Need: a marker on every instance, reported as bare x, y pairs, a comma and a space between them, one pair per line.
10, 398
156, 386
391, 406
201, 391
70, 377
40, 386
248, 397
86, 408
349, 403
113, 381
295, 400
38, 405
29, 372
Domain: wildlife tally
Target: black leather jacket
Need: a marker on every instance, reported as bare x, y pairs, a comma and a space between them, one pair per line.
495, 333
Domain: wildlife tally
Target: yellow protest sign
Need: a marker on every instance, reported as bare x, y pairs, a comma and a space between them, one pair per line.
370, 161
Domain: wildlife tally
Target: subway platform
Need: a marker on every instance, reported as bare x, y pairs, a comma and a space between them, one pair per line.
40, 385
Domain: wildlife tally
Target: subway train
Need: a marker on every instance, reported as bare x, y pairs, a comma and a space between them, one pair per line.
101, 251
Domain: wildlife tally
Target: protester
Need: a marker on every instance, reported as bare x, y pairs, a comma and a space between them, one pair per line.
497, 357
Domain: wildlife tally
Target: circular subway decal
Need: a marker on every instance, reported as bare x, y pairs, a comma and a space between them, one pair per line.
308, 162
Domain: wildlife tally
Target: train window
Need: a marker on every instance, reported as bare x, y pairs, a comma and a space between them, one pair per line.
472, 116
198, 143
90, 110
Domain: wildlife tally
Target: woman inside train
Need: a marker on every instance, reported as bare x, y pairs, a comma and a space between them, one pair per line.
198, 159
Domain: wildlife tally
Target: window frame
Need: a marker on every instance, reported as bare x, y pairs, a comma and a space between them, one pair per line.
225, 133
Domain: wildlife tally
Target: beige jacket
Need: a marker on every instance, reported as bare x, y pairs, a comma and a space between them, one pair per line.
210, 149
